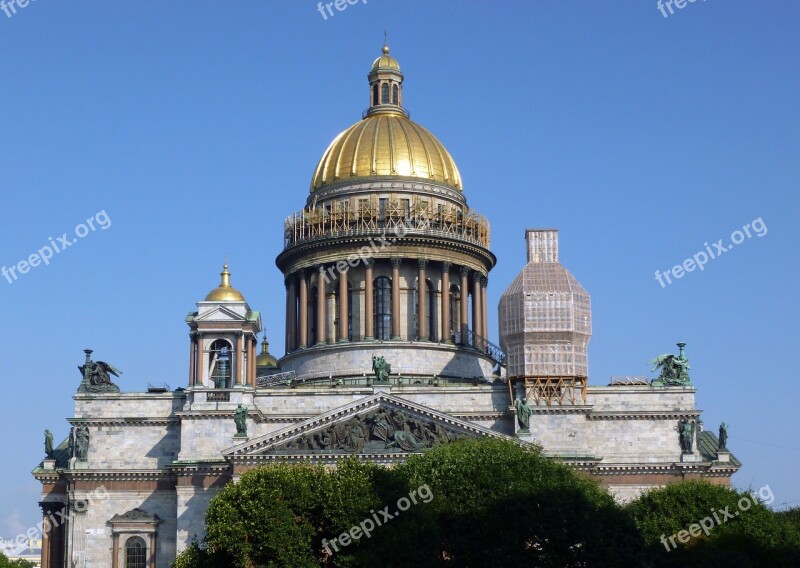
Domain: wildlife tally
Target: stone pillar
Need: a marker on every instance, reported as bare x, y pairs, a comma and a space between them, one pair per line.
321, 324
445, 303
396, 297
251, 362
53, 538
192, 356
477, 325
291, 314
303, 310
464, 302
369, 308
153, 549
422, 302
344, 326
239, 359
484, 309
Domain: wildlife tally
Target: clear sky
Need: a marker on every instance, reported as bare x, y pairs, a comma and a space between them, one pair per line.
195, 128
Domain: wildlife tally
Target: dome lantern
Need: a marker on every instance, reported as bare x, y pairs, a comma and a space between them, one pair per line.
225, 292
385, 85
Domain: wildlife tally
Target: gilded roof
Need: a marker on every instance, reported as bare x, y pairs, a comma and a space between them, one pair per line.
386, 144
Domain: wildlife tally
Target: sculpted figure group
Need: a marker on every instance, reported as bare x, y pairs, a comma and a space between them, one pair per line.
393, 428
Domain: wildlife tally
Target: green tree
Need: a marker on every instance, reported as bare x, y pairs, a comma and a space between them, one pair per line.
498, 504
282, 514
749, 534
6, 563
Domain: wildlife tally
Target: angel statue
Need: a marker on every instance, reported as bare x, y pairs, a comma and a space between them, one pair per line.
96, 375
674, 369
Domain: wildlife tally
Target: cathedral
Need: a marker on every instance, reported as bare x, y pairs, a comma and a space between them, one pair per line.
388, 353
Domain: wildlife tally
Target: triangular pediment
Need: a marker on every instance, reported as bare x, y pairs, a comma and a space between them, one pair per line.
220, 314
381, 426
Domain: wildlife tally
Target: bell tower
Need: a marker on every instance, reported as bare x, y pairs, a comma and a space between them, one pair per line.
222, 339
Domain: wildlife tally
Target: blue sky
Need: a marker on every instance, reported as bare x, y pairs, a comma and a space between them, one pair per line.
196, 126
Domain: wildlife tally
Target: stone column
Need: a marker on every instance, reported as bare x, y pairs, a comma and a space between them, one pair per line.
369, 308
445, 302
343, 319
251, 362
484, 309
303, 310
464, 302
477, 325
396, 297
192, 356
422, 302
239, 359
321, 324
52, 539
291, 314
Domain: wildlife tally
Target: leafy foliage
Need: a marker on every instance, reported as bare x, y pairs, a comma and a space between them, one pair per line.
6, 563
486, 503
748, 535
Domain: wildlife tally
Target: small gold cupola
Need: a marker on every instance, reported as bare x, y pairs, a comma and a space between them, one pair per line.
385, 85
264, 359
225, 292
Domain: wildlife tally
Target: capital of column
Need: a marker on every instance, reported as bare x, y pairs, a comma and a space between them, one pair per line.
423, 262
476, 276
484, 281
464, 270
396, 260
369, 262
446, 266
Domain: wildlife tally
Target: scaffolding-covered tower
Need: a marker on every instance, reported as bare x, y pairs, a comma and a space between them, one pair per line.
545, 325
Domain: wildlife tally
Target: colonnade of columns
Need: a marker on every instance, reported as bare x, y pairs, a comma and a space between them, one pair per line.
299, 283
243, 358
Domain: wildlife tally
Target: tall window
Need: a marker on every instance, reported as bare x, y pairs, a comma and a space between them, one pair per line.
455, 309
375, 94
383, 308
221, 364
385, 94
135, 553
395, 95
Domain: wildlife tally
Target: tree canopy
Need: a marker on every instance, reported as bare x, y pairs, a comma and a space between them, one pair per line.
479, 503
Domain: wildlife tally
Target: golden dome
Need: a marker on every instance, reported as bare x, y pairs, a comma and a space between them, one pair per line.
225, 292
264, 359
386, 144
385, 61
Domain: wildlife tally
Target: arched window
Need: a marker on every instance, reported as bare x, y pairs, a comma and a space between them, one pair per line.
455, 309
221, 362
385, 94
395, 95
135, 553
375, 94
383, 308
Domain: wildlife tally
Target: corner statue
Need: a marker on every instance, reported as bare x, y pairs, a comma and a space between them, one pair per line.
523, 414
381, 368
723, 437
674, 369
96, 375
240, 418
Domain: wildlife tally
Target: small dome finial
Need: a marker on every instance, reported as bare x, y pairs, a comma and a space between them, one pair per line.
225, 276
385, 42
